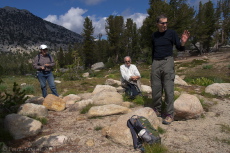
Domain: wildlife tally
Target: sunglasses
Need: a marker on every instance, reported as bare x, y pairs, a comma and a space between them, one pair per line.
127, 61
163, 23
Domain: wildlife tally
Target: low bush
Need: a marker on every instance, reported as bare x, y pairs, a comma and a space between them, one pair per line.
202, 81
11, 102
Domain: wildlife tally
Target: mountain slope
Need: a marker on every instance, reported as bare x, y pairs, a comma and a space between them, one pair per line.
20, 30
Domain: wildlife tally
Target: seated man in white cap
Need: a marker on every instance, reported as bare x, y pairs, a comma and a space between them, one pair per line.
130, 76
43, 63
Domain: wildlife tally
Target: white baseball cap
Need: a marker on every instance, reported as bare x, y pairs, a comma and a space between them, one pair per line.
43, 47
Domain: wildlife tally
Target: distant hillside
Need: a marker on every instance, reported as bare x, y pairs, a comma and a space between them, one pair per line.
21, 31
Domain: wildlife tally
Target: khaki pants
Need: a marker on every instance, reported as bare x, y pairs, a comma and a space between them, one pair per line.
162, 79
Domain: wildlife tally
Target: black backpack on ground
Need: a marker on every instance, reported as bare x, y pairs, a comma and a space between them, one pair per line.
142, 132
132, 90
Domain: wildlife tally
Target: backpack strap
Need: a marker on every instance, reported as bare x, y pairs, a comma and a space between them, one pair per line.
47, 55
136, 141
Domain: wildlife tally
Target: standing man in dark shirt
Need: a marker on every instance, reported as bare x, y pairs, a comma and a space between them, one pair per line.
43, 63
163, 75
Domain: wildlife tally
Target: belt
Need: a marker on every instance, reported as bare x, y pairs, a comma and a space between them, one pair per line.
165, 58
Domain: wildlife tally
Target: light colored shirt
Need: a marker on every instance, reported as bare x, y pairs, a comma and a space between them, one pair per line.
127, 72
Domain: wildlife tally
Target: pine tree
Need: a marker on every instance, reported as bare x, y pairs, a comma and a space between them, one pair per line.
115, 31
88, 43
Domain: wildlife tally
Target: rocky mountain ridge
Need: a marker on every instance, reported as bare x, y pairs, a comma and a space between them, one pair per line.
22, 31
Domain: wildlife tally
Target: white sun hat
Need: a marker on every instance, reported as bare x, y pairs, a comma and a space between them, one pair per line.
43, 47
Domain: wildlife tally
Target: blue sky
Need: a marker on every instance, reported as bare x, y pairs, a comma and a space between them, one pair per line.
71, 13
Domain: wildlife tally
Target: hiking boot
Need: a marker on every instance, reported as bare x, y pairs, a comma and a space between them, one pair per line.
168, 120
157, 112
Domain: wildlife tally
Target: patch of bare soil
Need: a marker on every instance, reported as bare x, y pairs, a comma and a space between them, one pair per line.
202, 135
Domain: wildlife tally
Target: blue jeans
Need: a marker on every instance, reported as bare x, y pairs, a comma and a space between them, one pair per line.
44, 76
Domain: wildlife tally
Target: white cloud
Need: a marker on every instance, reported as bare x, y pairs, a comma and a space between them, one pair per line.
99, 25
138, 18
74, 20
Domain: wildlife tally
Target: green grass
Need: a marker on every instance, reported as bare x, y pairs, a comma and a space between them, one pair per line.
3, 87
192, 64
204, 105
41, 119
86, 108
207, 67
139, 100
155, 148
200, 81
161, 130
29, 89
225, 128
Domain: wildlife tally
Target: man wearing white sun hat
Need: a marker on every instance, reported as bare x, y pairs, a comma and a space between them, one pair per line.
43, 63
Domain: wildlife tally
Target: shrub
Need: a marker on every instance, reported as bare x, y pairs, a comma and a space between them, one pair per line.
11, 102
202, 81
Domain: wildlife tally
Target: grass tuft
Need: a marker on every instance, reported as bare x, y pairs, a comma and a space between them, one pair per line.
86, 108
29, 89
98, 128
155, 148
161, 130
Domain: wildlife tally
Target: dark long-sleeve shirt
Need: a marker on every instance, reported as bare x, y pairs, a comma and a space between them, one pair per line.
38, 64
162, 44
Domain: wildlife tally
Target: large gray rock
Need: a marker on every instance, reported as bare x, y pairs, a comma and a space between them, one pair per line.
21, 126
100, 88
180, 81
112, 82
54, 103
50, 140
120, 90
105, 110
120, 133
187, 107
81, 104
33, 110
145, 88
35, 100
71, 99
85, 96
97, 66
219, 89
103, 98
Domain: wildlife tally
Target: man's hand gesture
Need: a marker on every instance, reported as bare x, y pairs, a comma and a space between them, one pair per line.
185, 37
